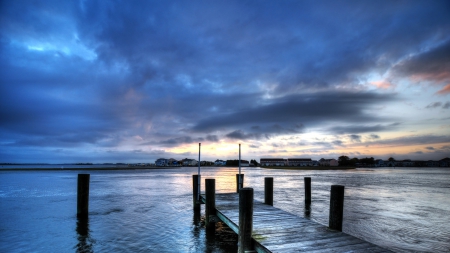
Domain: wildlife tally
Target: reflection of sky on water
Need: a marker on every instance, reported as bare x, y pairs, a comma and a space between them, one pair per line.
142, 210
84, 239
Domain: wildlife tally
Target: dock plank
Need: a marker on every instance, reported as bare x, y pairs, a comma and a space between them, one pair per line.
275, 230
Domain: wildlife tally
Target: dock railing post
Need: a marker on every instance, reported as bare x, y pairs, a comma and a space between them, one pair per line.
195, 193
83, 195
245, 220
307, 190
268, 191
210, 205
336, 207
239, 182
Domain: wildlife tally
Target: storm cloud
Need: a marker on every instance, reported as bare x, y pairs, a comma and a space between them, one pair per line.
116, 77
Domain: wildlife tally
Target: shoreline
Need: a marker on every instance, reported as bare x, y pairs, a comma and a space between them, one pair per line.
172, 167
99, 168
309, 168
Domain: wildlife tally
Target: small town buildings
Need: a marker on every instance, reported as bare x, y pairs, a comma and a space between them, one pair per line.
273, 162
433, 163
300, 162
161, 162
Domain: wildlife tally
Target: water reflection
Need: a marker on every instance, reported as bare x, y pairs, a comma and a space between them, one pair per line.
210, 239
405, 210
219, 238
196, 229
307, 210
84, 240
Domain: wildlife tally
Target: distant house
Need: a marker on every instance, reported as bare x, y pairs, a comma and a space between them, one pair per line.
162, 162
328, 162
300, 162
444, 162
379, 163
432, 163
172, 162
407, 163
189, 162
390, 163
245, 163
220, 162
273, 162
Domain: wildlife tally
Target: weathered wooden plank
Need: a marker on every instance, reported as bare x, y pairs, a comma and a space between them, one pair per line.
300, 248
316, 244
290, 237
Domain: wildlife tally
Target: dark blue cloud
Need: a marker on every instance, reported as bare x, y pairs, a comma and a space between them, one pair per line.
292, 113
77, 73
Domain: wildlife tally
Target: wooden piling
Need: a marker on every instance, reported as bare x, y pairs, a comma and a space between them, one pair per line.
83, 195
245, 219
307, 190
239, 183
336, 207
195, 193
210, 205
268, 191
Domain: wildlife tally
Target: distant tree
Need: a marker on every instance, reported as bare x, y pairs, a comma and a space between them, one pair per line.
254, 162
354, 161
391, 159
367, 161
232, 163
344, 160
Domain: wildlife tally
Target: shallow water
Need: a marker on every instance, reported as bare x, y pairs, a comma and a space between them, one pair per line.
151, 210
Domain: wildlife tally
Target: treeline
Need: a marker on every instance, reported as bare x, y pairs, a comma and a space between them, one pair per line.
346, 161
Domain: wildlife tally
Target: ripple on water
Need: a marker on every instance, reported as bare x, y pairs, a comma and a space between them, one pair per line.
151, 211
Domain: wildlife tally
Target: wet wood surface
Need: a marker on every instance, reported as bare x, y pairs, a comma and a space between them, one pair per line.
275, 230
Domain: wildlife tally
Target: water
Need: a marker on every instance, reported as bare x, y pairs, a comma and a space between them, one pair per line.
151, 210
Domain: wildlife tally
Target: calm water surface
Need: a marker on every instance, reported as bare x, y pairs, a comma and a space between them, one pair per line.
151, 210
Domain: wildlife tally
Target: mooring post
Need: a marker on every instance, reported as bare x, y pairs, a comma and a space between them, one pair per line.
245, 219
195, 193
199, 175
268, 191
307, 190
83, 195
336, 207
239, 182
210, 205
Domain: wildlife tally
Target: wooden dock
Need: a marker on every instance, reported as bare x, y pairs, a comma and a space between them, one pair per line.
275, 230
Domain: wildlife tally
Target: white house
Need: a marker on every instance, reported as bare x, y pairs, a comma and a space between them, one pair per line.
328, 162
220, 162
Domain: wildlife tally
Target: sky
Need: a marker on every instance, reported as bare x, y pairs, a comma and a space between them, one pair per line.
134, 81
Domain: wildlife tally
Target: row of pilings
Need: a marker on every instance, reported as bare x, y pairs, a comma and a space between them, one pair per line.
246, 197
